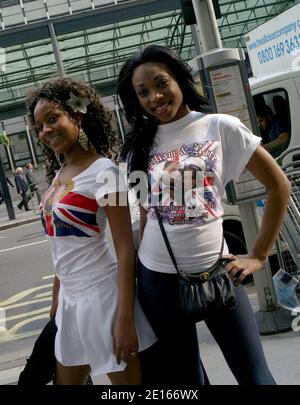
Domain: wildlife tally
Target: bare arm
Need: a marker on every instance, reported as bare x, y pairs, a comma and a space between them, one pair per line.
125, 339
55, 291
143, 220
267, 171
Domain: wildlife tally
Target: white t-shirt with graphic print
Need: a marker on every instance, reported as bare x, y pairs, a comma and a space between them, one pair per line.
217, 147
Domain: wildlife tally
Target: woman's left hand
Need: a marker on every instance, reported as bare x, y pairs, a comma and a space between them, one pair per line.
241, 266
125, 340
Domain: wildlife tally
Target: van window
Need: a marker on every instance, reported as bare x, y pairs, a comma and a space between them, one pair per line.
273, 116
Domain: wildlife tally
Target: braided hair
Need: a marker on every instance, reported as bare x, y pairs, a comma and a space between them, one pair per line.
140, 140
96, 123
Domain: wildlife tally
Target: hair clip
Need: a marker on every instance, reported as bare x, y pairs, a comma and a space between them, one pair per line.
78, 104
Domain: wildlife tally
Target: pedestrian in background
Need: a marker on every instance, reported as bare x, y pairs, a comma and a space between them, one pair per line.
170, 123
100, 325
32, 184
21, 186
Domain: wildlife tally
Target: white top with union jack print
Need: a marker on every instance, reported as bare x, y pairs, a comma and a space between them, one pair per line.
75, 223
214, 147
88, 295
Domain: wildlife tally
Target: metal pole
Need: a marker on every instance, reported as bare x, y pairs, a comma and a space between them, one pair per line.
56, 50
5, 189
8, 150
196, 38
262, 279
118, 117
30, 143
6, 193
9, 155
207, 24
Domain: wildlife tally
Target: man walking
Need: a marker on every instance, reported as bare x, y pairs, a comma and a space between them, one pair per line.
31, 182
21, 186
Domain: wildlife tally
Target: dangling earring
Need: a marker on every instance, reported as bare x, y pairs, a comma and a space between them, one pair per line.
59, 158
83, 140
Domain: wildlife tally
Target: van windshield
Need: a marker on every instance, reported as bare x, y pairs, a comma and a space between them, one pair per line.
273, 117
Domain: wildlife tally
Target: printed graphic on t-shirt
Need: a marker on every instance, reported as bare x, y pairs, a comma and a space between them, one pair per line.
66, 212
183, 183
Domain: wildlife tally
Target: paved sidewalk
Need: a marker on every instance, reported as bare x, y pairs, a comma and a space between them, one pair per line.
22, 217
282, 352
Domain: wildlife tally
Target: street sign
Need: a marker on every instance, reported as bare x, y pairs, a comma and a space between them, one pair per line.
275, 45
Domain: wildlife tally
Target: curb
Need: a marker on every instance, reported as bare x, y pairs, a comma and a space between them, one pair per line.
19, 223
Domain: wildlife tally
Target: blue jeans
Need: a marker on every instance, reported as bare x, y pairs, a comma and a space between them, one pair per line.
175, 358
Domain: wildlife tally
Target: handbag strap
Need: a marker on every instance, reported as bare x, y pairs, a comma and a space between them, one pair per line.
170, 251
164, 234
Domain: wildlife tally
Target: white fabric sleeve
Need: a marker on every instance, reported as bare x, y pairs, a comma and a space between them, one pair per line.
238, 145
110, 180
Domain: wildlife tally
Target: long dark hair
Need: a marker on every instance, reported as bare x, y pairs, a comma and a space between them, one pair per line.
96, 123
139, 141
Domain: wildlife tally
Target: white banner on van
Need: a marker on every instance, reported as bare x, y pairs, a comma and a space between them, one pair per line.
275, 45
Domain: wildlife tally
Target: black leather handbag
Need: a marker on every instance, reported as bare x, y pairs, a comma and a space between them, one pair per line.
205, 294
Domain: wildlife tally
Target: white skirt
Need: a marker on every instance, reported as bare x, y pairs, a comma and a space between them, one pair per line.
85, 325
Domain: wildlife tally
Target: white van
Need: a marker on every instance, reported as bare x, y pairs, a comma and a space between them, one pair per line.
274, 53
285, 84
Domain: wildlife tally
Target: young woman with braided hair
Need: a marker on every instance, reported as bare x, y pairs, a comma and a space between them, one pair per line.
101, 326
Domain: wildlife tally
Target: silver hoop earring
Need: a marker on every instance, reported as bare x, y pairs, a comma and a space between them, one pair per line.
83, 140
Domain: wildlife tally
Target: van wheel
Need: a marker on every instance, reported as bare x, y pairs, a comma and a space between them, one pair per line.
236, 244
